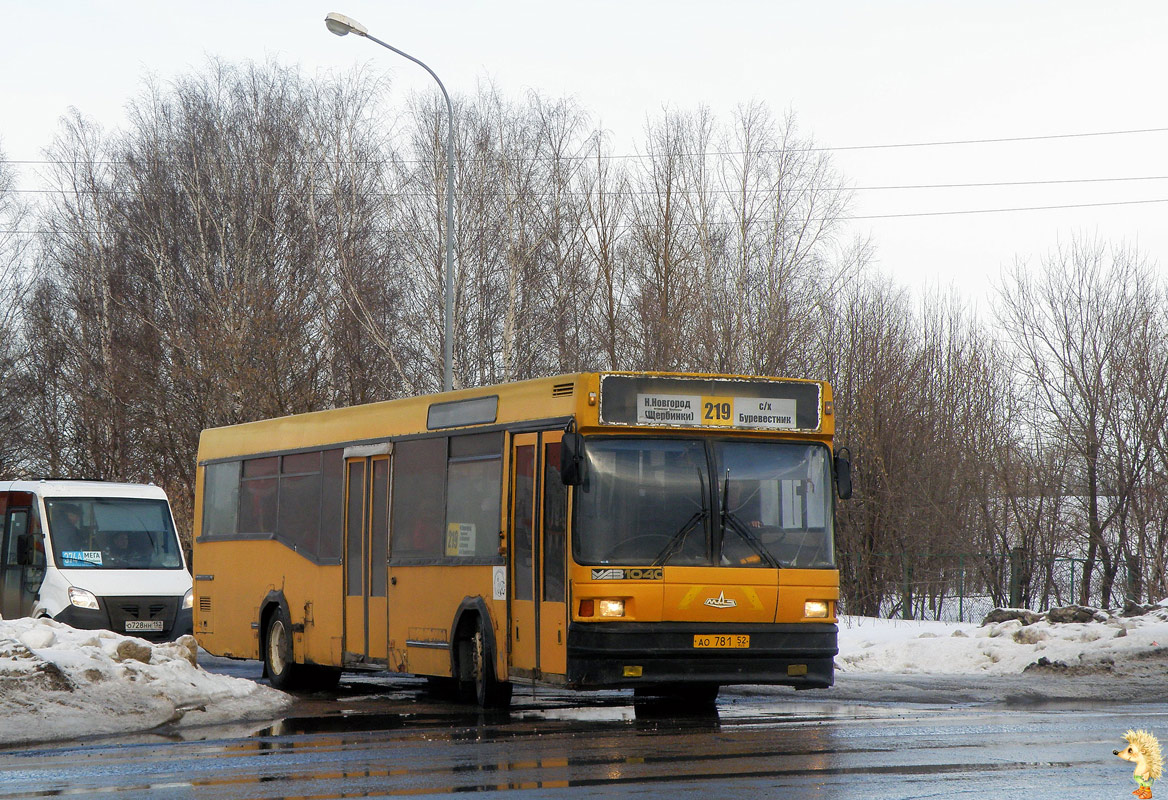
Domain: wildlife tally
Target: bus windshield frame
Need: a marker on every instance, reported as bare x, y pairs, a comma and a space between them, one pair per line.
112, 533
702, 501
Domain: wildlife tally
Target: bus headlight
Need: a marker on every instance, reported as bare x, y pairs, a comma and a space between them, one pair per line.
83, 599
189, 599
815, 609
612, 608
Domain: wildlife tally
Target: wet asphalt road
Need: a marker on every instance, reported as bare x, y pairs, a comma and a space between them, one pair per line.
384, 737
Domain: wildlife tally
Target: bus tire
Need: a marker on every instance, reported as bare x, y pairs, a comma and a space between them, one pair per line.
489, 693
283, 673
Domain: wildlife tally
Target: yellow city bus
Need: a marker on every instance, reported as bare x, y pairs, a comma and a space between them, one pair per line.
671, 533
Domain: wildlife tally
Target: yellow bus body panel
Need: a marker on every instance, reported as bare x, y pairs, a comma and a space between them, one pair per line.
423, 602
227, 607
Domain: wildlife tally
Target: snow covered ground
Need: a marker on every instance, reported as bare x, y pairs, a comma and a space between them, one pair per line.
60, 683
57, 682
908, 647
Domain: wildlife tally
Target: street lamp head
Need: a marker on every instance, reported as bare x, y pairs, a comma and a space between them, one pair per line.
341, 25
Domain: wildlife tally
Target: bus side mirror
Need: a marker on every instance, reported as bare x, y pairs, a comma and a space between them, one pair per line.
843, 477
572, 459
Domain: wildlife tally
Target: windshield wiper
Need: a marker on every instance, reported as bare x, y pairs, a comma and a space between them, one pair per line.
678, 539
731, 521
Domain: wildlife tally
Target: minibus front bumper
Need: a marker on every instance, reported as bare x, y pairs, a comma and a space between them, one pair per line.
156, 619
631, 654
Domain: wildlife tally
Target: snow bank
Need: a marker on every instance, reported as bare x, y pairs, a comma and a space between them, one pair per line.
1003, 648
57, 682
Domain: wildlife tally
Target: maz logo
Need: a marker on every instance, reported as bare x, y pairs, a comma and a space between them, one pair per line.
720, 601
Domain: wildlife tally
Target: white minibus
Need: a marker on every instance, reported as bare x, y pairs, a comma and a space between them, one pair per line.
93, 555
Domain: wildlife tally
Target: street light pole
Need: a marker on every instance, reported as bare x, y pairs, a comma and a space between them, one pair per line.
341, 25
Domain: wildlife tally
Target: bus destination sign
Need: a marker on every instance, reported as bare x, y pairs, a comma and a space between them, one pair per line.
735, 403
767, 413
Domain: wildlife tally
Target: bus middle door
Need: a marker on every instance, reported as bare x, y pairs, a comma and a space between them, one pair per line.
538, 536
366, 557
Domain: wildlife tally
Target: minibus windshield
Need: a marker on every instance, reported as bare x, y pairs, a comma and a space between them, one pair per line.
112, 533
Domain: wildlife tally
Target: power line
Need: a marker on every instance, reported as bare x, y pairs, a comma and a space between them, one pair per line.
1005, 210
1015, 209
638, 156
710, 192
985, 184
1002, 140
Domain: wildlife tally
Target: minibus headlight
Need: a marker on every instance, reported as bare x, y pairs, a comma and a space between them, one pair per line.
815, 609
612, 608
83, 599
189, 599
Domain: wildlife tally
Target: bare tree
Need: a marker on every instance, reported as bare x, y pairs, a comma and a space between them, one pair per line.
15, 254
605, 189
1073, 326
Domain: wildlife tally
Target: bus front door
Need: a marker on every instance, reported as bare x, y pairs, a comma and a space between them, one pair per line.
366, 560
538, 538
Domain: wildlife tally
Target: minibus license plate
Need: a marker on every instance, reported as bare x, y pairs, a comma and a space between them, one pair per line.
734, 640
144, 625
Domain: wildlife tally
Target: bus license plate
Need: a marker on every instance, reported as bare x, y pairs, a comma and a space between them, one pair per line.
144, 625
733, 641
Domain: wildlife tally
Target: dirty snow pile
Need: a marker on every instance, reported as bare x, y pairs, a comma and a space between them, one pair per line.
57, 682
1005, 647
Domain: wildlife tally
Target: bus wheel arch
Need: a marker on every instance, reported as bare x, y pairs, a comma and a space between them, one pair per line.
473, 656
278, 653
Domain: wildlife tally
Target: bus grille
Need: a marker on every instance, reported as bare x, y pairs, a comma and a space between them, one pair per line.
563, 389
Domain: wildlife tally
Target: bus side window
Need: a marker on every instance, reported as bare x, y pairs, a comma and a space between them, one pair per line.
474, 486
419, 473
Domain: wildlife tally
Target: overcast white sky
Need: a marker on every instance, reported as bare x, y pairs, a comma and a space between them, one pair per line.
856, 73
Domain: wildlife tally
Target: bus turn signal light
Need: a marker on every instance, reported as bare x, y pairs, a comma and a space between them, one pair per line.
588, 608
815, 609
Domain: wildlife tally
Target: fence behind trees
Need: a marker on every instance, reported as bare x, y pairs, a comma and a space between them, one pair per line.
964, 587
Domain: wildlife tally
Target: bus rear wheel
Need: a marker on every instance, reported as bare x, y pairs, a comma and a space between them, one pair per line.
278, 663
488, 692
282, 671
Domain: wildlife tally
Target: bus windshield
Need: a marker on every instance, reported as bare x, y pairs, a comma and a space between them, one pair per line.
745, 503
112, 533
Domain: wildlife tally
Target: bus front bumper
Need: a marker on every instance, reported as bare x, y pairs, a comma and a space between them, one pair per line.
631, 654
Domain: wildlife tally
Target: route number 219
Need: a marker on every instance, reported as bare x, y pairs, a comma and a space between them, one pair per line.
716, 412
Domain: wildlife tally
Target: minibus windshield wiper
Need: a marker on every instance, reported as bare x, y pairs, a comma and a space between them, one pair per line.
730, 520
